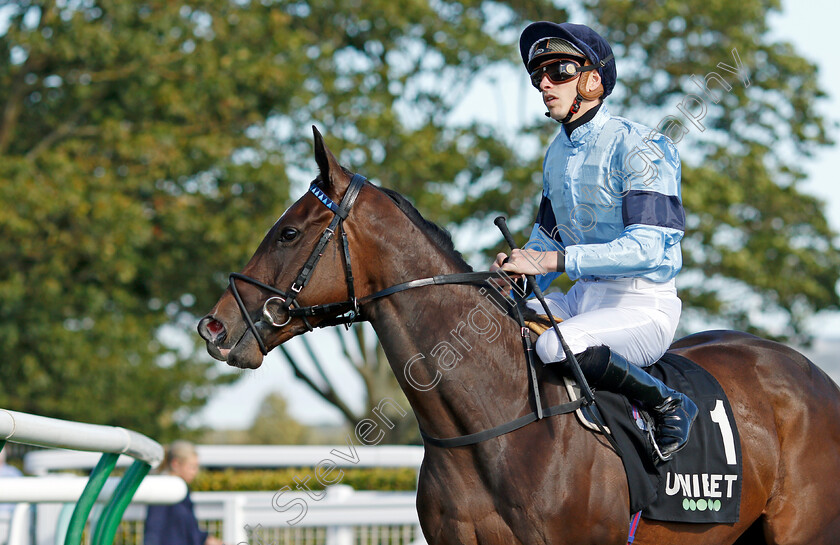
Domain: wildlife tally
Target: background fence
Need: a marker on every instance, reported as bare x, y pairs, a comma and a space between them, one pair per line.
71, 523
337, 516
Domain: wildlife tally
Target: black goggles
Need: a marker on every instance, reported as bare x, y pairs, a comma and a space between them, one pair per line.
563, 70
557, 72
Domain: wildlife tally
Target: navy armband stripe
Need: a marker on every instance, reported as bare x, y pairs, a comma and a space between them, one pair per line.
546, 220
653, 208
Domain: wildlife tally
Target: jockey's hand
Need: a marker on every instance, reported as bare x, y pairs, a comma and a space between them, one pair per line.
500, 283
530, 262
500, 260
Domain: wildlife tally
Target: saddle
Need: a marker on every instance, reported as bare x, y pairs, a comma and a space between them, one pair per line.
583, 414
702, 482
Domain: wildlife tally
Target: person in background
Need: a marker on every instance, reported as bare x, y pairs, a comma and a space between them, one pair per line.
176, 524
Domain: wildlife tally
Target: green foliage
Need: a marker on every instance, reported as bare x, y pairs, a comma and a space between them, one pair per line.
273, 426
391, 479
755, 243
146, 146
127, 179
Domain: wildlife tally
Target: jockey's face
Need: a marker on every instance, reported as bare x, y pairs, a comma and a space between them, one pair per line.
558, 97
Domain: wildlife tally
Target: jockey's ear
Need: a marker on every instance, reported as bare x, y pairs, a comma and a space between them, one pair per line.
334, 177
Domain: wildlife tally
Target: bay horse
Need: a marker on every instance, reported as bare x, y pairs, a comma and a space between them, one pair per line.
550, 482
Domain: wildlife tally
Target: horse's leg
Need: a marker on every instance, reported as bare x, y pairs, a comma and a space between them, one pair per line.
793, 525
805, 512
469, 527
454, 508
805, 508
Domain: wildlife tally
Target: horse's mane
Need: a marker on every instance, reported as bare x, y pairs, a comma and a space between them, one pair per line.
435, 232
443, 240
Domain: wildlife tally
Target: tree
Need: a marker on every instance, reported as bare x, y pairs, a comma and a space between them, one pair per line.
133, 166
368, 360
273, 426
756, 246
146, 146
754, 242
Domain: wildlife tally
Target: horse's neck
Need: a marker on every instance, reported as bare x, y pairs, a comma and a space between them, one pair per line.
457, 356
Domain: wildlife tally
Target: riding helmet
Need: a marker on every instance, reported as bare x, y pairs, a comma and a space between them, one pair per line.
571, 40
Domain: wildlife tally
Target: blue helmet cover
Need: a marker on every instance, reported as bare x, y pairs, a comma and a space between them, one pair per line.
584, 38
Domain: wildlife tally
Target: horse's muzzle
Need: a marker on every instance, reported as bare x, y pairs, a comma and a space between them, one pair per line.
221, 345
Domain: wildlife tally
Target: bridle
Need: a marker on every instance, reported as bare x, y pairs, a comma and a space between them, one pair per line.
339, 313
346, 312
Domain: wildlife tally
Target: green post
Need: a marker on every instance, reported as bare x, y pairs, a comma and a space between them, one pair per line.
2, 444
108, 523
97, 480
63, 523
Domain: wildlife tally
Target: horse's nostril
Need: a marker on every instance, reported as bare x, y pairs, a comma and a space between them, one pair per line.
211, 329
215, 327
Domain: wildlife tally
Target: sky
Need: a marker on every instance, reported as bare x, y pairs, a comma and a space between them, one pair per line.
810, 25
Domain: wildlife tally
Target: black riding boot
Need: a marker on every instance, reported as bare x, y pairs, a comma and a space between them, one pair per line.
673, 412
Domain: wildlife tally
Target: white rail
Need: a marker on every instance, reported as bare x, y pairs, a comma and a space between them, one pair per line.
248, 456
108, 441
342, 517
344, 514
157, 489
30, 429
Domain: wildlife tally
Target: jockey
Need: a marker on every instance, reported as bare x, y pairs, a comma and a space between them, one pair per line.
611, 218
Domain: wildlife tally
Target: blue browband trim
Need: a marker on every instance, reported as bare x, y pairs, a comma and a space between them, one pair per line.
328, 202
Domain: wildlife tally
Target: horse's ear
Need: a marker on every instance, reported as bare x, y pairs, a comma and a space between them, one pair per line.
331, 172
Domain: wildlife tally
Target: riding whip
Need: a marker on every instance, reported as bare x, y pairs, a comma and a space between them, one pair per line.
501, 223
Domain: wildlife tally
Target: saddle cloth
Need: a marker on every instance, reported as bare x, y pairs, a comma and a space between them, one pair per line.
702, 482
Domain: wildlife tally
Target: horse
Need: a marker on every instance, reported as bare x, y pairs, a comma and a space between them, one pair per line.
463, 371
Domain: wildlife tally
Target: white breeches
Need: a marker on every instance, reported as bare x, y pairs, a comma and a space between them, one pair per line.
635, 317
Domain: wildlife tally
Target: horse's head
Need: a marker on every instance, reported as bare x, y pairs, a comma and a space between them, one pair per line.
298, 277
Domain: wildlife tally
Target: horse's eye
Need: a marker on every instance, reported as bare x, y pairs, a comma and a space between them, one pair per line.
288, 234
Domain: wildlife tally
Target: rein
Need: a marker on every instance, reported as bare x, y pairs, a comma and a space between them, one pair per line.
346, 312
